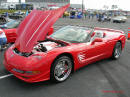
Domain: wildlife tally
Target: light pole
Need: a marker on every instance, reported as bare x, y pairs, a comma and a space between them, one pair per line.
20, 1
82, 5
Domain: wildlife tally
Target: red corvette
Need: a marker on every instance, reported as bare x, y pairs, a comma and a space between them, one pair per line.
65, 51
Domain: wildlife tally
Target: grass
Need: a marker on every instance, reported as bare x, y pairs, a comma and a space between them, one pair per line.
9, 11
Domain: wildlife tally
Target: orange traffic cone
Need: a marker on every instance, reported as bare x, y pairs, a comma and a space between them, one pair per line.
128, 36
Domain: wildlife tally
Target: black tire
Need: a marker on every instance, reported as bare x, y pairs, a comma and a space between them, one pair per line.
58, 72
117, 51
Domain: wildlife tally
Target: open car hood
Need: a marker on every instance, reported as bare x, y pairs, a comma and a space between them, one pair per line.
35, 27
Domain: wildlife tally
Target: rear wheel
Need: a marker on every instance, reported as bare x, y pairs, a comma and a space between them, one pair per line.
117, 50
61, 69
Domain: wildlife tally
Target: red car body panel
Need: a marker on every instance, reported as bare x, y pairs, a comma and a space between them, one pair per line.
40, 62
10, 35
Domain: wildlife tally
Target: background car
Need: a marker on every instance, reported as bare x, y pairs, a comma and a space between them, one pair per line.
119, 19
11, 24
17, 15
9, 30
4, 20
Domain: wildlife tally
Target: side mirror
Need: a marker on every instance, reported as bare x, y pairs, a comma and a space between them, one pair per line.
97, 40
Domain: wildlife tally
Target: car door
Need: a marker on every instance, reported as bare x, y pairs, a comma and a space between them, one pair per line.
93, 52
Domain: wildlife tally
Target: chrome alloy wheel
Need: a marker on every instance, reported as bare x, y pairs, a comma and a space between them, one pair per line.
118, 50
62, 70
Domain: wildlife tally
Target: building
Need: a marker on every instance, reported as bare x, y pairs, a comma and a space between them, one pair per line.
47, 3
78, 6
3, 1
54, 1
3, 4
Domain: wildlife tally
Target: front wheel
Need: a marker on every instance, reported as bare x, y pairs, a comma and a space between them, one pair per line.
61, 69
117, 50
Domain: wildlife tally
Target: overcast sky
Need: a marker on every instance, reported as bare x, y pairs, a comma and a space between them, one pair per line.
98, 4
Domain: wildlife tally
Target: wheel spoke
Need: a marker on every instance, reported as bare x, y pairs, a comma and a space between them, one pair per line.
63, 63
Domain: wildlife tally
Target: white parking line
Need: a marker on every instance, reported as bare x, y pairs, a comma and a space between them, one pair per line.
1, 77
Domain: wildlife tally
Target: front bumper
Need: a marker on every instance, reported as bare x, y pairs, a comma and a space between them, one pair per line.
13, 61
28, 78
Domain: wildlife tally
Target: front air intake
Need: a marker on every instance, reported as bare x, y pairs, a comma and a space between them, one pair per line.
22, 53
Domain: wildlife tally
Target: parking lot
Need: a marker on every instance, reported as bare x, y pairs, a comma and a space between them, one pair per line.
106, 78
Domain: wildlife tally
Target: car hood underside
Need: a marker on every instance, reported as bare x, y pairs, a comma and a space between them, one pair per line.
35, 27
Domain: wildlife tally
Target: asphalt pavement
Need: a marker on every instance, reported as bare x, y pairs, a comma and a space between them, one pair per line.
106, 78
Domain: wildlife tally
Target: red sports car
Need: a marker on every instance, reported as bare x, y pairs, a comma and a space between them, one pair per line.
61, 53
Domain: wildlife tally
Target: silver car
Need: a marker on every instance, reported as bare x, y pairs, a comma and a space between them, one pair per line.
119, 19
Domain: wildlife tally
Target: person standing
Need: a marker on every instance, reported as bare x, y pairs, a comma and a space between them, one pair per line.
92, 15
103, 17
85, 14
100, 17
3, 39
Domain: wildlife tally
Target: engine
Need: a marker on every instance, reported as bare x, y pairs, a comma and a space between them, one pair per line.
46, 46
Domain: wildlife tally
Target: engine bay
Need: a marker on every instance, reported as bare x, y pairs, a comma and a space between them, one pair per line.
46, 46
42, 46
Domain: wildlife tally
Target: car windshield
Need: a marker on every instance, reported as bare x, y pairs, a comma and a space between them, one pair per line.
72, 34
12, 24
